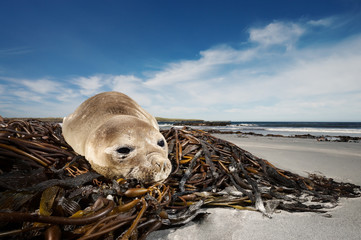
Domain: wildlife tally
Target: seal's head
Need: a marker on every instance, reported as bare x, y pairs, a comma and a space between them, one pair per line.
125, 146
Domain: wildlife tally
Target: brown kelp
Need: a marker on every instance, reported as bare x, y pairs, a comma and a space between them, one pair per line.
48, 190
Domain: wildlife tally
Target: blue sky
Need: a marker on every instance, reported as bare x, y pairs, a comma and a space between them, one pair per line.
213, 60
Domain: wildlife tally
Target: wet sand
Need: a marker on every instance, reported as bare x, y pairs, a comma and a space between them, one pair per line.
338, 160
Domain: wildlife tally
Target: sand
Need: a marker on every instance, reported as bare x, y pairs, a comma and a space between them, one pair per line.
341, 161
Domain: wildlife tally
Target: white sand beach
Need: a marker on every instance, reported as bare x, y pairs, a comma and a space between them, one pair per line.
340, 161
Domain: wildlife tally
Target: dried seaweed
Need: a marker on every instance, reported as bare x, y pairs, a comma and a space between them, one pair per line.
47, 189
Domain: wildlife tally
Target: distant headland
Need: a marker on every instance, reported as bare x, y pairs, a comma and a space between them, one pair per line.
192, 122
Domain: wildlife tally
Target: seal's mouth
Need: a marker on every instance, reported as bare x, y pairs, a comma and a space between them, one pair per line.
147, 175
158, 161
156, 169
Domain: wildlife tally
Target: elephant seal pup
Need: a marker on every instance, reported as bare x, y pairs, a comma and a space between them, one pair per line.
118, 138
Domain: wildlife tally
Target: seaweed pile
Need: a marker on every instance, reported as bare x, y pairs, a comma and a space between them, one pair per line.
46, 189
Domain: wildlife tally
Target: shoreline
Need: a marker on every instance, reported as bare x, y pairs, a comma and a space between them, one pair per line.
326, 138
338, 160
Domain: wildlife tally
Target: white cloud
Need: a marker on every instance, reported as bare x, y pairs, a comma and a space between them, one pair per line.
324, 22
28, 96
134, 87
179, 72
43, 86
276, 33
210, 61
90, 85
126, 83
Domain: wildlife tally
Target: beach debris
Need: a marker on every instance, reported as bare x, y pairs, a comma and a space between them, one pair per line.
47, 189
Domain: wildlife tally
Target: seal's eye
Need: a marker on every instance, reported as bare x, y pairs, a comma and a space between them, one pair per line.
161, 143
124, 150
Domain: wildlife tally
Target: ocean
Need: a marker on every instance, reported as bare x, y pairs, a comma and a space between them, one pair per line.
352, 129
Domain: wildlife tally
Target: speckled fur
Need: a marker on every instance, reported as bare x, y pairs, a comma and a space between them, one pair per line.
111, 120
